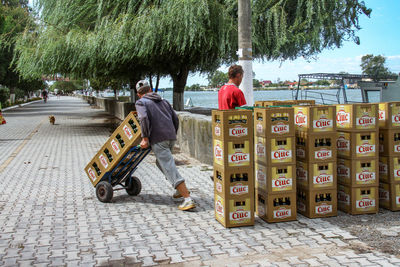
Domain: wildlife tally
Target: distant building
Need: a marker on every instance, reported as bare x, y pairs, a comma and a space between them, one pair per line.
291, 84
265, 83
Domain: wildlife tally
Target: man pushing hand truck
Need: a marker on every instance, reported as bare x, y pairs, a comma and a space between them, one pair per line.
159, 124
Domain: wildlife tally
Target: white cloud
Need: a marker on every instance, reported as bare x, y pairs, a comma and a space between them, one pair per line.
289, 70
393, 57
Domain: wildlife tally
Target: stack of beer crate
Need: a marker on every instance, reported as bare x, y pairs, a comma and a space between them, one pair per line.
316, 160
275, 164
389, 151
358, 173
233, 167
127, 135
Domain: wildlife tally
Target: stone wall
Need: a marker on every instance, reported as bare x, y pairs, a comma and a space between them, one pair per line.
111, 106
194, 134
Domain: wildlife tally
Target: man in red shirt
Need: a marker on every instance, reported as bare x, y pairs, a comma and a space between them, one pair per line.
230, 96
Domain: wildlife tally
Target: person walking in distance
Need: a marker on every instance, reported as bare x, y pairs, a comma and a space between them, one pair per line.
44, 95
230, 96
159, 124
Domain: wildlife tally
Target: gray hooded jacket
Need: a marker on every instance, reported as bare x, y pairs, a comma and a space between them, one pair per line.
157, 119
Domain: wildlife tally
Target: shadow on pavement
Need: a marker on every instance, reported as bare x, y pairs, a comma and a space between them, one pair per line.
145, 198
164, 200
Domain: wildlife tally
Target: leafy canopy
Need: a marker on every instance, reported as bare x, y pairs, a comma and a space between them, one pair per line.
374, 67
15, 17
217, 79
86, 37
124, 38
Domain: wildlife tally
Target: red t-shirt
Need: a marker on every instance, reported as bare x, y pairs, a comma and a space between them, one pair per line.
230, 97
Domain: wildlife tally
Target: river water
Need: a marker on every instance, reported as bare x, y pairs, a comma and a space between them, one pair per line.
209, 99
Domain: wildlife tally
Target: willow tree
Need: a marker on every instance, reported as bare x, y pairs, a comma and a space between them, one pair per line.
97, 38
134, 38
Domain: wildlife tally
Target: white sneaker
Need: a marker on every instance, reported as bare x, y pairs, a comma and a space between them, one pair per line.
187, 205
177, 194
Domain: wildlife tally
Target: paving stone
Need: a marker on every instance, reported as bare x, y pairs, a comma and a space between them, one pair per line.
313, 262
333, 263
102, 261
339, 242
159, 256
72, 256
362, 261
343, 259
57, 262
176, 258
382, 262
394, 259
329, 234
294, 260
10, 261
51, 216
282, 264
370, 256
148, 261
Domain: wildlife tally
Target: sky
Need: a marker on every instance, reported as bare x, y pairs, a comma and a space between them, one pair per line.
379, 35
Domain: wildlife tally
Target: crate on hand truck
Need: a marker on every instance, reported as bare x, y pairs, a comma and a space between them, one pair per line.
117, 160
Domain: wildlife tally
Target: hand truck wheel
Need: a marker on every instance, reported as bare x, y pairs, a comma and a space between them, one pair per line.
133, 186
104, 191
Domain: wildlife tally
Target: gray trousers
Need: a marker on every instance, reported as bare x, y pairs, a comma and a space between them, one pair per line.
166, 163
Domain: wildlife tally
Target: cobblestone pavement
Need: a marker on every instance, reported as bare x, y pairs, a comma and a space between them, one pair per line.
50, 216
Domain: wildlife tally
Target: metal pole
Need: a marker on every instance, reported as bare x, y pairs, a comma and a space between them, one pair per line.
298, 89
245, 52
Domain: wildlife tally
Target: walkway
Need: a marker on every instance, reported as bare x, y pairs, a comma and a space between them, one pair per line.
49, 214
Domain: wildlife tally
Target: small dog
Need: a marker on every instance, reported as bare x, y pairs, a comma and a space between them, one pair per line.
52, 119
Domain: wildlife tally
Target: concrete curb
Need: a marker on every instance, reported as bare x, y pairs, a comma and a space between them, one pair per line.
20, 105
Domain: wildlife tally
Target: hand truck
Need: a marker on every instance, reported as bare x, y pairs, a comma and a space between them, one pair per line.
121, 175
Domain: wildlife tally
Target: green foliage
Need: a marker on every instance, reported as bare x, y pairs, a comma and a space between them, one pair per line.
303, 81
99, 84
217, 79
15, 3
193, 87
19, 94
14, 19
4, 95
128, 39
287, 29
65, 86
374, 67
322, 82
256, 83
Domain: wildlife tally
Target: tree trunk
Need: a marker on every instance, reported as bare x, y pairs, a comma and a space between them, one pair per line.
115, 93
179, 80
132, 85
157, 82
151, 81
12, 95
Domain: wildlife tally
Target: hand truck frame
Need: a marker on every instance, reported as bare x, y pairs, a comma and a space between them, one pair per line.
122, 175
